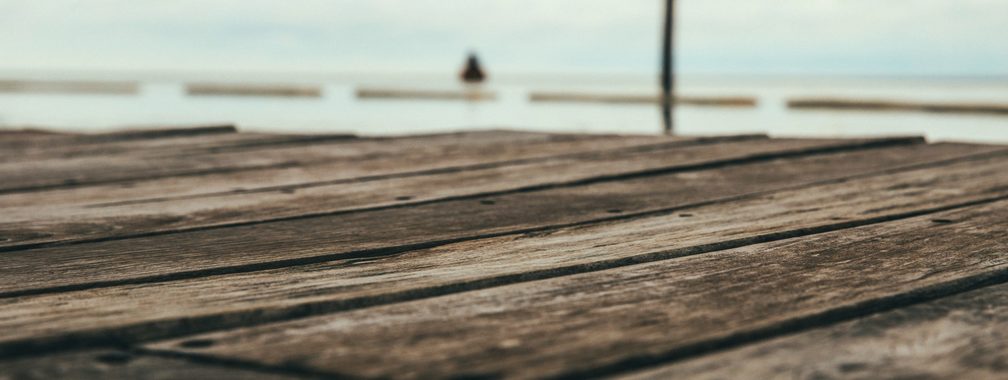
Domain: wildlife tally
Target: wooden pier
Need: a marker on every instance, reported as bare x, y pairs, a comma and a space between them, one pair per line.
208, 253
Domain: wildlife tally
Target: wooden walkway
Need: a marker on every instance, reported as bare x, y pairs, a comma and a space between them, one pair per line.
208, 253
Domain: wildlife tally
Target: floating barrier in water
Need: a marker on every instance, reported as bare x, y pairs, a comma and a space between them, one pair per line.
70, 87
468, 94
885, 105
246, 89
722, 101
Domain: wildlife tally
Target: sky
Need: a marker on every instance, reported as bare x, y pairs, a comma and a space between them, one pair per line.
845, 37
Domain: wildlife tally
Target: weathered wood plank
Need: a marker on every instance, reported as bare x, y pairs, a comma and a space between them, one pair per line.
161, 147
32, 146
115, 364
391, 155
962, 336
46, 146
17, 140
129, 134
16, 133
111, 148
539, 146
616, 319
130, 313
41, 222
384, 231
452, 155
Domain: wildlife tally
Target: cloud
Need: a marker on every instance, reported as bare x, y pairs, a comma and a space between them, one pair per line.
754, 36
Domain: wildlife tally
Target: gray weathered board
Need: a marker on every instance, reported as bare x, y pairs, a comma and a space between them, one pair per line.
31, 226
959, 337
206, 252
625, 317
365, 154
110, 364
57, 222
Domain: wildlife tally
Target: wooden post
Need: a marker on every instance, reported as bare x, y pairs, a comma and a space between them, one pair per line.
668, 75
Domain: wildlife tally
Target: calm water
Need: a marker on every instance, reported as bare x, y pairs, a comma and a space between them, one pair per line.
164, 102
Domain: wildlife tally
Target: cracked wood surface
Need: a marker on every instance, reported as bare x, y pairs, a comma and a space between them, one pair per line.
964, 336
497, 253
358, 157
379, 232
28, 226
622, 318
138, 312
110, 364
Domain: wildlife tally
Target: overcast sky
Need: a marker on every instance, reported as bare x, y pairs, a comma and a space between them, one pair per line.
913, 37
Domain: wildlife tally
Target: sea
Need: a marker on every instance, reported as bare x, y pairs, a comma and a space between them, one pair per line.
162, 102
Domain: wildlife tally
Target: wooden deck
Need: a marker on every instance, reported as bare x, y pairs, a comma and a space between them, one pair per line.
208, 253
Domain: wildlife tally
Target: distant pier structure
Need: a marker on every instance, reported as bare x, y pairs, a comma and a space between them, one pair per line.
668, 68
473, 71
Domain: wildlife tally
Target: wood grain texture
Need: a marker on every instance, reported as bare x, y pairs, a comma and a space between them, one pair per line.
354, 235
19, 143
39, 223
539, 145
167, 146
115, 364
64, 138
129, 313
616, 319
962, 336
503, 147
360, 159
399, 154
